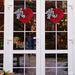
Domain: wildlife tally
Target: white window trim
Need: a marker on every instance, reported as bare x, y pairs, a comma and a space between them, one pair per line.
40, 52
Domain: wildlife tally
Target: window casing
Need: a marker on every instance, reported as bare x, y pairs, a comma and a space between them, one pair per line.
45, 32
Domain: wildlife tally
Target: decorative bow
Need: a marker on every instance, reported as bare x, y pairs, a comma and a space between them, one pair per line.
50, 13
19, 13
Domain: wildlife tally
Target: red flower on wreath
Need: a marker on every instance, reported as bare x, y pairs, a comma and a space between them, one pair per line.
29, 14
59, 12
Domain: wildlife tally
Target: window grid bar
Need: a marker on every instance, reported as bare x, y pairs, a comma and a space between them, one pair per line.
24, 64
1, 31
2, 12
23, 67
56, 64
56, 67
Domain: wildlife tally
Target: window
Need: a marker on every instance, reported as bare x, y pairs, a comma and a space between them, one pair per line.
38, 47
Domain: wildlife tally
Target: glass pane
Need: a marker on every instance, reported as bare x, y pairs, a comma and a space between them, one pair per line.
31, 4
1, 5
1, 40
18, 40
49, 4
62, 40
62, 71
18, 25
30, 40
30, 60
49, 40
62, 5
18, 71
62, 25
49, 25
18, 60
50, 60
50, 71
62, 60
31, 25
18, 4
1, 60
30, 71
1, 22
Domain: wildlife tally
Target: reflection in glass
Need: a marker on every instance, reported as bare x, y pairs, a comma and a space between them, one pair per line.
31, 25
18, 40
61, 40
62, 71
1, 40
50, 71
62, 5
1, 60
18, 25
49, 40
1, 22
18, 60
50, 60
49, 25
1, 5
62, 60
30, 40
49, 4
30, 60
31, 4
62, 25
18, 4
30, 71
18, 71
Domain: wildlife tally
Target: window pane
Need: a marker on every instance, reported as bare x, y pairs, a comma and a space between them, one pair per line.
62, 60
30, 43
50, 71
1, 5
31, 4
18, 40
30, 60
62, 25
1, 41
31, 25
50, 60
18, 71
62, 71
30, 71
18, 25
49, 40
1, 60
18, 4
18, 60
1, 22
62, 40
62, 5
49, 25
49, 4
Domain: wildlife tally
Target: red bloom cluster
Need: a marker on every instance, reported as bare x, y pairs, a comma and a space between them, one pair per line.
60, 15
29, 14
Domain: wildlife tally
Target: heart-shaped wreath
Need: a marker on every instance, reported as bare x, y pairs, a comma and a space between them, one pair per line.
24, 15
55, 15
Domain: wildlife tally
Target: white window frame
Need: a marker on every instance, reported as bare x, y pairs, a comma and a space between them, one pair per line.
40, 47
69, 50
